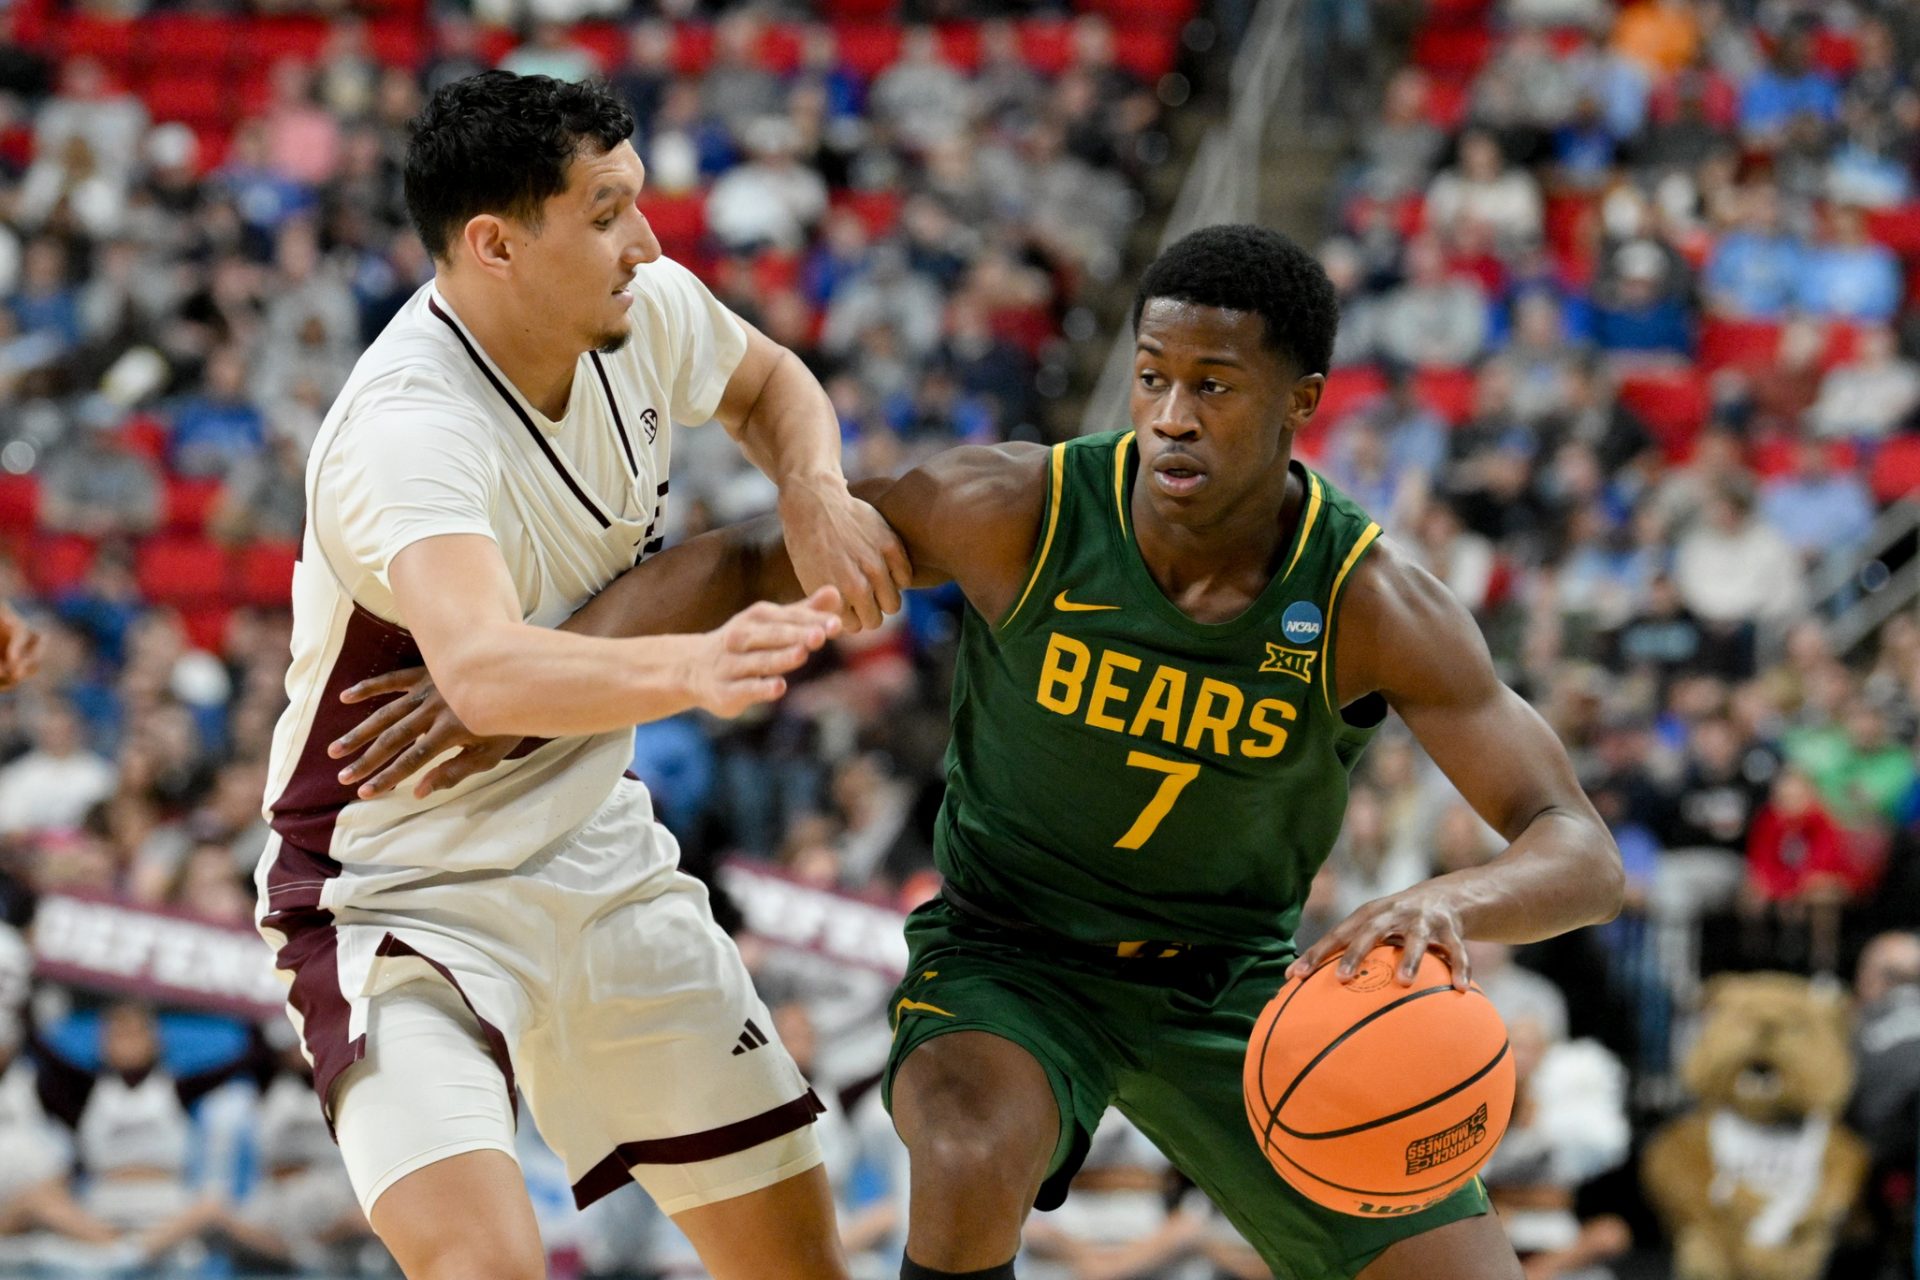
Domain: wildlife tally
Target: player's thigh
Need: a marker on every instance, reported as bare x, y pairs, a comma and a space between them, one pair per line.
1000, 1059
661, 1063
1189, 1102
426, 1129
783, 1232
1467, 1249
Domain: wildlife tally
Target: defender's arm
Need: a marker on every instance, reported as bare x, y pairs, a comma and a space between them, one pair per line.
1401, 634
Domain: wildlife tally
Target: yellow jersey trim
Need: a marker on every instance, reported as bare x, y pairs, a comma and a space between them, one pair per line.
1120, 478
1306, 525
1360, 545
916, 1005
1056, 471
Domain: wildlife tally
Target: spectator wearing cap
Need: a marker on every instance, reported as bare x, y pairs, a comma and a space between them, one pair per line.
1638, 316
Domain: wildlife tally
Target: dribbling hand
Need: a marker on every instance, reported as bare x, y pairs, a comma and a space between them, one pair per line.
746, 661
1421, 919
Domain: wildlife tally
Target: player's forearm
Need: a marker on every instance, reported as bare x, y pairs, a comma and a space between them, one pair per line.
1563, 872
527, 681
695, 585
792, 432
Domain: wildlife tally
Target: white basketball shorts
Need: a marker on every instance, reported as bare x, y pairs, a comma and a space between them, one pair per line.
592, 979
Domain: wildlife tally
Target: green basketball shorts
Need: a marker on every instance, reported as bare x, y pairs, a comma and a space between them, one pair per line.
1159, 1037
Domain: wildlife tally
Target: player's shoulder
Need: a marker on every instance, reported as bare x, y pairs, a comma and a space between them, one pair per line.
663, 281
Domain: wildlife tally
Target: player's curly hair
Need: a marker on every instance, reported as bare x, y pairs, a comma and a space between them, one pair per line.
500, 143
1240, 267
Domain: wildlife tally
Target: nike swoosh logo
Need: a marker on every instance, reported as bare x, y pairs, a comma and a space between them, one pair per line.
1065, 605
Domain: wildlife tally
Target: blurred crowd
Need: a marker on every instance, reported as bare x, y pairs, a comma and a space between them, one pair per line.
1626, 357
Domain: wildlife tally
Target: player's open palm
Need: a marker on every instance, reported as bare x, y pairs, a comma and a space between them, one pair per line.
746, 661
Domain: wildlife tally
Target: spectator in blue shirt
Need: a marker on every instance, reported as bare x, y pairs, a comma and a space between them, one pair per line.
1790, 87
1817, 507
1849, 277
219, 428
1755, 270
1637, 316
46, 303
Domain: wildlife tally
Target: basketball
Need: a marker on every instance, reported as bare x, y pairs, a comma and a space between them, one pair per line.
1375, 1099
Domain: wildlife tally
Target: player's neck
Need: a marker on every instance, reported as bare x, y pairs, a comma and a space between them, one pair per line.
526, 353
1242, 546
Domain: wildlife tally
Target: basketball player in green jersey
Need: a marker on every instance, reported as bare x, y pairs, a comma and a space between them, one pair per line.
1176, 644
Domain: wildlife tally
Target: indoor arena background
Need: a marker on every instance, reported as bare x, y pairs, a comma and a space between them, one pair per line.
1626, 358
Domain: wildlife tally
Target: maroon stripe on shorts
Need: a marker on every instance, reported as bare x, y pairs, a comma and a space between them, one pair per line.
304, 816
310, 953
496, 1041
305, 813
709, 1144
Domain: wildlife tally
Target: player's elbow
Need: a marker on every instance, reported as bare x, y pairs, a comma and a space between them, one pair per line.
479, 691
1607, 875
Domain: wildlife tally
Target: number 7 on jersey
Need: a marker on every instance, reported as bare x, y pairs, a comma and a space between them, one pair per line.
1178, 773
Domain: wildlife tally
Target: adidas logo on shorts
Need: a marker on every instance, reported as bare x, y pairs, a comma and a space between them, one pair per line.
750, 1039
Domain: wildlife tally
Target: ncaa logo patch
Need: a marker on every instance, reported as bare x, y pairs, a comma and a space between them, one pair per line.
1301, 623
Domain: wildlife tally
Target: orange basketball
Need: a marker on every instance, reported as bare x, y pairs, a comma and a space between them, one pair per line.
1376, 1099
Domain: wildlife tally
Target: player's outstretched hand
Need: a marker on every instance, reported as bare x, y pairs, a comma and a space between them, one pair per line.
837, 540
19, 648
745, 662
405, 732
1421, 919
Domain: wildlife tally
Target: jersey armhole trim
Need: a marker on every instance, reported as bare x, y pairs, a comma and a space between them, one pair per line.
1360, 545
1306, 524
1120, 481
1056, 470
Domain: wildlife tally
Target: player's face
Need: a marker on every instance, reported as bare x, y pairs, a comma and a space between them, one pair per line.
592, 236
1214, 409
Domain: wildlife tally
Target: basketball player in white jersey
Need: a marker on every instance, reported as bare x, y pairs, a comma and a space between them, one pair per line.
498, 456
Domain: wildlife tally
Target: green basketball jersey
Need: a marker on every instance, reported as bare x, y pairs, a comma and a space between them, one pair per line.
1120, 772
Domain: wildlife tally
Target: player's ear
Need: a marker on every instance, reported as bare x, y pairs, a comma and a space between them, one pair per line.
1305, 399
488, 242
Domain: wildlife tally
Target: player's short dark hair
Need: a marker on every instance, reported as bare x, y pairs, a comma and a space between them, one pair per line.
1239, 267
501, 143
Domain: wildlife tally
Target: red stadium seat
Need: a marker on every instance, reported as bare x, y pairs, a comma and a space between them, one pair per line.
206, 627
879, 210
1896, 469
780, 49
495, 44
1448, 392
1347, 391
1458, 13
189, 502
679, 221
692, 48
180, 570
195, 98
268, 40
1748, 343
1835, 52
867, 49
398, 42
180, 41
1147, 53
1675, 407
263, 574
19, 502
1459, 51
1447, 100
858, 10
1898, 229
58, 562
111, 41
1047, 46
605, 41
960, 45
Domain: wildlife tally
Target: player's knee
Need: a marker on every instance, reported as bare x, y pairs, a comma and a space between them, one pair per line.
466, 1263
